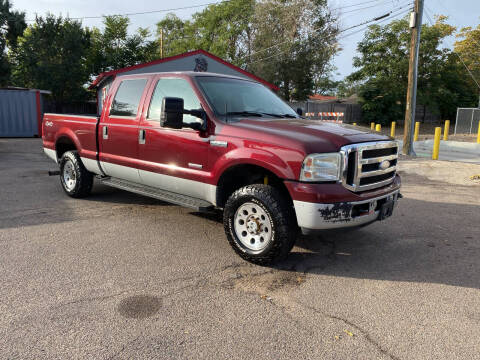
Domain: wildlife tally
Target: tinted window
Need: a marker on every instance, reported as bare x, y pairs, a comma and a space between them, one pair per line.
128, 97
180, 88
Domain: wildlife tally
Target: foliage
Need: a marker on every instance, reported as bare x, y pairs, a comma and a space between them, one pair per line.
285, 42
58, 54
51, 55
294, 41
468, 47
347, 88
114, 48
12, 24
223, 29
383, 71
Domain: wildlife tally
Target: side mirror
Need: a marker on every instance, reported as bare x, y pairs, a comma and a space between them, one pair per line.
299, 111
171, 115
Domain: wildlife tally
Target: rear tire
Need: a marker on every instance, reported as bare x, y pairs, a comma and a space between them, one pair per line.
76, 180
260, 224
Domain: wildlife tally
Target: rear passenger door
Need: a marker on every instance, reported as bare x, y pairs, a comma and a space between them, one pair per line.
118, 132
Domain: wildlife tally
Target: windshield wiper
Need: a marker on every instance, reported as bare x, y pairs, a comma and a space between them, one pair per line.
280, 115
260, 114
289, 116
244, 113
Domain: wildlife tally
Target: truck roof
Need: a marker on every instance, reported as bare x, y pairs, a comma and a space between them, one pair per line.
188, 73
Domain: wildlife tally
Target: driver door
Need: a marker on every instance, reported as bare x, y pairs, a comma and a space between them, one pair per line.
174, 159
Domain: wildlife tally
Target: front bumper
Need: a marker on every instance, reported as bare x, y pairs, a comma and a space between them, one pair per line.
320, 216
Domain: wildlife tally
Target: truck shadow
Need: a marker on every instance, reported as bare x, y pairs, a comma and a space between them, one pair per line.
424, 242
113, 195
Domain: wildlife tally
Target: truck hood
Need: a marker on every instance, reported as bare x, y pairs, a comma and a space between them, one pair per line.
311, 135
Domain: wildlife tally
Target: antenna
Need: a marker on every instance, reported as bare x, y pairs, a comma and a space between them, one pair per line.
226, 112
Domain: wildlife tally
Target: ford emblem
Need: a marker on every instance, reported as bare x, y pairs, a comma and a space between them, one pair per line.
384, 165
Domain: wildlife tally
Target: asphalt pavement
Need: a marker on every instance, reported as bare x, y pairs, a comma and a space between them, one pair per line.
120, 276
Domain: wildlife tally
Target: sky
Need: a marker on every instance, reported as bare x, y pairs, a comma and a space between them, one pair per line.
351, 12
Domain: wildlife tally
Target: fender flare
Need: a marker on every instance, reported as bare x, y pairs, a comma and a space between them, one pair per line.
261, 158
66, 133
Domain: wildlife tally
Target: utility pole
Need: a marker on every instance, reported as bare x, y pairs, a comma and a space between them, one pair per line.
416, 26
161, 43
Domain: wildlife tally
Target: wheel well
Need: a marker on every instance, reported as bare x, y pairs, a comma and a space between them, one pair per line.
239, 176
63, 145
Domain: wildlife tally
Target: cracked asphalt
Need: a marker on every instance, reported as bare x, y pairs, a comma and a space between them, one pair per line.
120, 276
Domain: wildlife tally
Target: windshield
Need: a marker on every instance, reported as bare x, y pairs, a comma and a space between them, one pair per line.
239, 98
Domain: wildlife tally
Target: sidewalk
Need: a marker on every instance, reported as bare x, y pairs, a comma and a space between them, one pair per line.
449, 150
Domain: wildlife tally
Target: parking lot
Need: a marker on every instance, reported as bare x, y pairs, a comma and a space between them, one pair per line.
120, 276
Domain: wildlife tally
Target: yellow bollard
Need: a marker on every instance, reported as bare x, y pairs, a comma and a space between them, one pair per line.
478, 136
378, 127
436, 143
372, 126
354, 124
447, 128
417, 130
392, 130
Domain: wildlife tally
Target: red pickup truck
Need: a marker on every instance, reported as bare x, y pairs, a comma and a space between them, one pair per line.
209, 141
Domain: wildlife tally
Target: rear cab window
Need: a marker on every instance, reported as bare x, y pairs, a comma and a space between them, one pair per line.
127, 98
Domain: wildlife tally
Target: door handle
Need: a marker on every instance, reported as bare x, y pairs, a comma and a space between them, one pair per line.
105, 132
141, 136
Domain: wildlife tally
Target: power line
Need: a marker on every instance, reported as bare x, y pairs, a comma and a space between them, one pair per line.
364, 8
446, 11
145, 12
187, 7
378, 17
379, 22
349, 28
349, 6
385, 17
463, 62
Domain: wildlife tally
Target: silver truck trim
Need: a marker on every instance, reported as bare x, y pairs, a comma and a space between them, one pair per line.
359, 162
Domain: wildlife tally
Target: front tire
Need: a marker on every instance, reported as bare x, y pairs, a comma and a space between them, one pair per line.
76, 180
259, 224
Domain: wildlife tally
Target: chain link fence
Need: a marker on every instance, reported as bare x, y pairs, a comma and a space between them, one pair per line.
467, 121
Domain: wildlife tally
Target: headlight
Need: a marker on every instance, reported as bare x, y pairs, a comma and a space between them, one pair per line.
321, 167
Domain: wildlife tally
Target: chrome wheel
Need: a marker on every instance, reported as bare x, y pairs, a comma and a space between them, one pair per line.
253, 226
69, 176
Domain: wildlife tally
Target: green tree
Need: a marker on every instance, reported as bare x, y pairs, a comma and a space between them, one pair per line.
294, 42
114, 48
51, 55
383, 70
12, 25
468, 48
223, 29
288, 43
178, 36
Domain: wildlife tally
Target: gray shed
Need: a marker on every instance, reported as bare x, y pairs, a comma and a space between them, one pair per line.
198, 60
21, 112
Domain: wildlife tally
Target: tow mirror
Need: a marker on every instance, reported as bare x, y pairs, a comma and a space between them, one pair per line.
171, 115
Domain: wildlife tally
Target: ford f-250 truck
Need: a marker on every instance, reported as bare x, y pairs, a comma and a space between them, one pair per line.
209, 141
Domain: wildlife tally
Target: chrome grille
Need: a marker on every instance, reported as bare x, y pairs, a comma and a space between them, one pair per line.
369, 165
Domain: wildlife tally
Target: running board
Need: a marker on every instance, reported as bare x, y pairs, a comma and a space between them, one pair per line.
164, 195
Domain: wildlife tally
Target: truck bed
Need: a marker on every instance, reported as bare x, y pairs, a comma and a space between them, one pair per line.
81, 128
